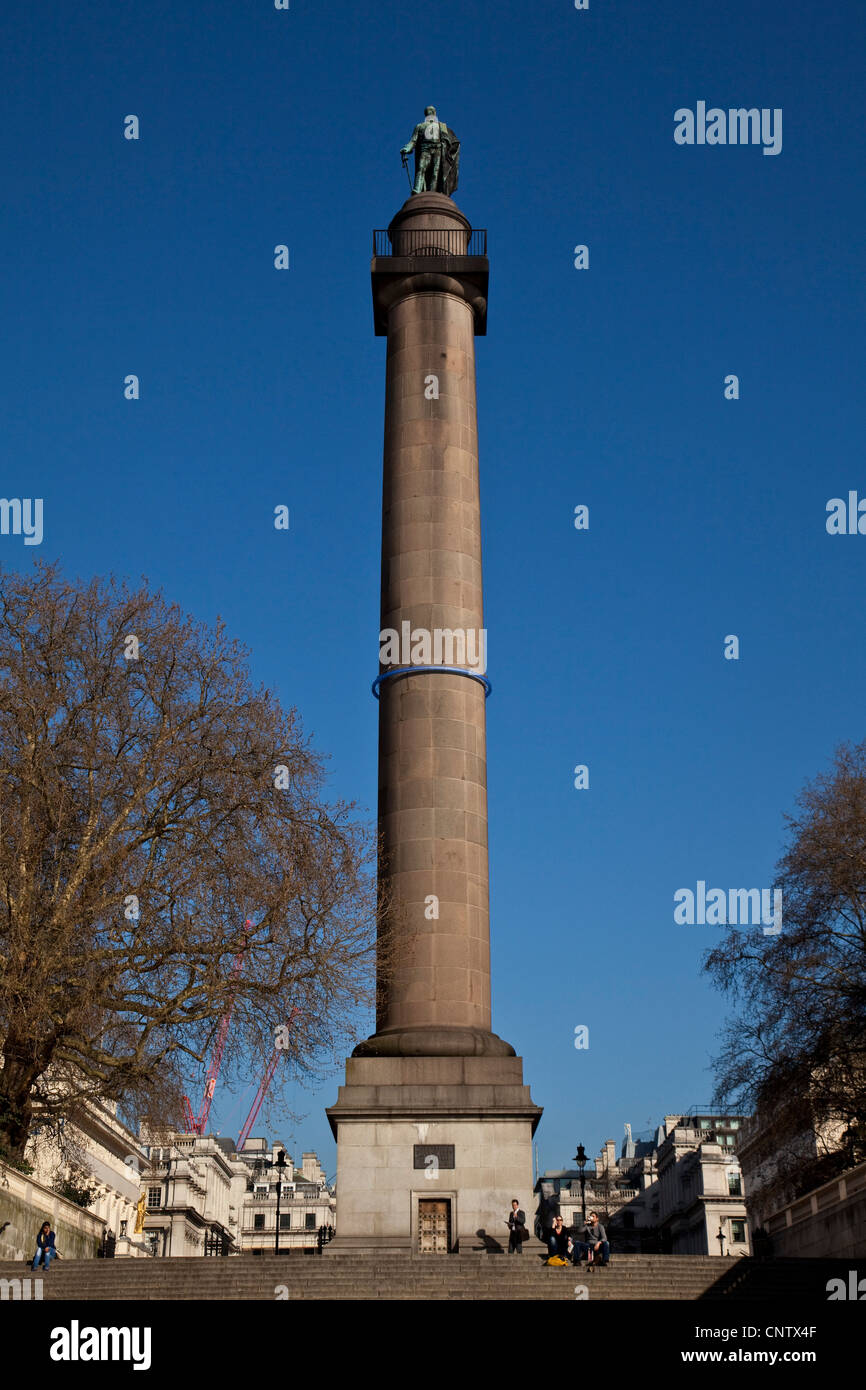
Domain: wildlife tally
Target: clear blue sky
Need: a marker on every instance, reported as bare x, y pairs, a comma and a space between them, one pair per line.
602, 387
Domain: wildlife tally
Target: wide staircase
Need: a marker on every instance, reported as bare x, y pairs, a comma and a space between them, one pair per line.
337, 1277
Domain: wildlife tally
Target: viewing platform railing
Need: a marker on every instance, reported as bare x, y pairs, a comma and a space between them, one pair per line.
437, 241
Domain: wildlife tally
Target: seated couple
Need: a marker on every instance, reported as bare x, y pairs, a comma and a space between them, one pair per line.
594, 1244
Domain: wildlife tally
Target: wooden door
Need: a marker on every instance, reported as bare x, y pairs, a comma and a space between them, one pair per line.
434, 1226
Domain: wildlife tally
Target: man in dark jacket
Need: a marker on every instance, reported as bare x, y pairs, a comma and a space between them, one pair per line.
516, 1227
44, 1246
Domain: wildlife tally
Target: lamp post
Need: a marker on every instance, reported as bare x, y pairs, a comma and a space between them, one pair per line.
721, 1239
852, 1142
581, 1160
281, 1168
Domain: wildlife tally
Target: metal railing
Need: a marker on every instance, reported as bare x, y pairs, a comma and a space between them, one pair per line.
287, 1198
435, 241
287, 1236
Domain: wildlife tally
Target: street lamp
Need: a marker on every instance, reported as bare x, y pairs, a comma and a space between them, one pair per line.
721, 1239
852, 1142
581, 1161
281, 1168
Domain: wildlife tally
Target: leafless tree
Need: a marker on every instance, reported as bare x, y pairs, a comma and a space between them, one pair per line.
796, 1050
151, 800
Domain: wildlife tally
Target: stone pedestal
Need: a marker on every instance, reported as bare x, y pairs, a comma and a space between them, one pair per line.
397, 1120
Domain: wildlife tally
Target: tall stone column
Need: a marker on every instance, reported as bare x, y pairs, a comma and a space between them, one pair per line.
432, 733
433, 1076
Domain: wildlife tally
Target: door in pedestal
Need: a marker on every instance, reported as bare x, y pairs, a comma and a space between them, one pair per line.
434, 1227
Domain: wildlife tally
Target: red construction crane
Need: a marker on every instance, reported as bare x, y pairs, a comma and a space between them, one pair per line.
263, 1088
197, 1125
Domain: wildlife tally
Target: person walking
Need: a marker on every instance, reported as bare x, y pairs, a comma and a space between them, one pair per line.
516, 1228
45, 1250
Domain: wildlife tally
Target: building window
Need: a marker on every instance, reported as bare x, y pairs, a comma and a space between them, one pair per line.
706, 1124
735, 1186
285, 1221
310, 1221
735, 1124
154, 1198
259, 1221
738, 1232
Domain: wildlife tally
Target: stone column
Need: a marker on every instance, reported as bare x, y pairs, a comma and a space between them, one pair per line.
432, 734
434, 1105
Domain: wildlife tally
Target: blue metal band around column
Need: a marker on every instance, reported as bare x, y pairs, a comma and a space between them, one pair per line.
424, 670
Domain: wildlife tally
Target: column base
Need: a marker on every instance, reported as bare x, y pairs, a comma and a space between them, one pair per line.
454, 1132
434, 1042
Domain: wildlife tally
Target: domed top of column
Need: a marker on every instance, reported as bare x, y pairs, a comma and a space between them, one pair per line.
433, 213
429, 210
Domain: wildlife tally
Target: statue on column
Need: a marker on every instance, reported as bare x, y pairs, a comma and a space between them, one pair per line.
437, 155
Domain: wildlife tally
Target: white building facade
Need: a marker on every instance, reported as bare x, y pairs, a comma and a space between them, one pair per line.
702, 1208
307, 1204
193, 1190
204, 1198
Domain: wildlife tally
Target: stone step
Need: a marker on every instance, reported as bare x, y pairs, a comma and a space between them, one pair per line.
409, 1278
170, 1280
456, 1266
438, 1283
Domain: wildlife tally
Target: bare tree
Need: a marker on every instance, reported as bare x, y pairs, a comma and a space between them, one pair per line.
796, 1051
151, 800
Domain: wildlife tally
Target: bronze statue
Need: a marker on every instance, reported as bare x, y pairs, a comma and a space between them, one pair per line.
437, 155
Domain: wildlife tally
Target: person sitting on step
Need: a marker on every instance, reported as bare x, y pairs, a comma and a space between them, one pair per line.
557, 1241
595, 1244
45, 1250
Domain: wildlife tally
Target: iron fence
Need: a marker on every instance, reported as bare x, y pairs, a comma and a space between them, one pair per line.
438, 241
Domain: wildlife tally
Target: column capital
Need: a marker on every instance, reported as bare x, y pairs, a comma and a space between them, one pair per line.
429, 247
